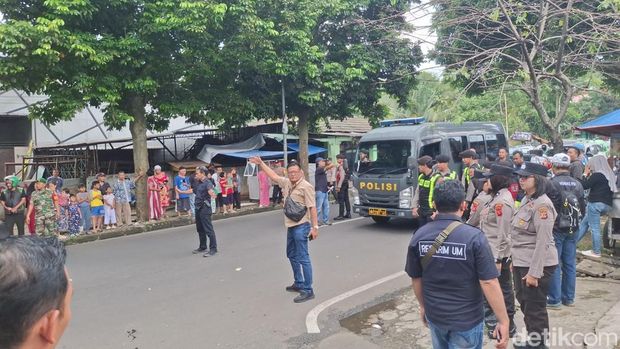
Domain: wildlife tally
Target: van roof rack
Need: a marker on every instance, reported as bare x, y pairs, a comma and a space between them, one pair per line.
402, 122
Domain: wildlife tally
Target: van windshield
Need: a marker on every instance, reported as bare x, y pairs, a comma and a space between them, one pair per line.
383, 157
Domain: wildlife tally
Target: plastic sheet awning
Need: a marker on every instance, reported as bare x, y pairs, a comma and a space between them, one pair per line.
605, 125
270, 154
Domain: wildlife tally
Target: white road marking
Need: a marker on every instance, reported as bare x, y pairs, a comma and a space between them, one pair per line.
312, 325
344, 221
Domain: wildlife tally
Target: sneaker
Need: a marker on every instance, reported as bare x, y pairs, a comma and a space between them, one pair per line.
198, 250
304, 296
328, 223
590, 253
212, 252
570, 305
554, 306
339, 218
292, 288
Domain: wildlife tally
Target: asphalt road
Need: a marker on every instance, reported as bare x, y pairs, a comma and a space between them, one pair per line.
148, 291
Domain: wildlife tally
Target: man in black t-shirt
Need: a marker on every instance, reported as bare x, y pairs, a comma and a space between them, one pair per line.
13, 200
321, 187
450, 284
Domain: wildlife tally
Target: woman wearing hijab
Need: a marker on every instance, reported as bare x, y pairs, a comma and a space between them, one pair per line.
601, 180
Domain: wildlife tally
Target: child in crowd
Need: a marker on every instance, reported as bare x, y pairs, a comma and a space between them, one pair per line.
109, 209
224, 185
165, 198
74, 216
96, 207
84, 205
62, 224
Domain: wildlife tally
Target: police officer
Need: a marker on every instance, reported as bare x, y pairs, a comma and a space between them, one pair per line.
443, 171
534, 256
422, 199
482, 185
469, 166
204, 210
495, 218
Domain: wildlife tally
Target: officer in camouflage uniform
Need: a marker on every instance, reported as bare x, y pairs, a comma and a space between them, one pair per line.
45, 209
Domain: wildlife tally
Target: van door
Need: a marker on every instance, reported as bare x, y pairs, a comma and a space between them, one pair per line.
476, 142
430, 147
457, 145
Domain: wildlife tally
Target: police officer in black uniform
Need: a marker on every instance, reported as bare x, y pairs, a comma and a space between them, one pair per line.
204, 226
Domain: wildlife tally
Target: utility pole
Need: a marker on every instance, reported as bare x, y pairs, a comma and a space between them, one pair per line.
284, 126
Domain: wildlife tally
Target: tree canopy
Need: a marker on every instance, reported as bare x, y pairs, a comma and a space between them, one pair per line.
543, 48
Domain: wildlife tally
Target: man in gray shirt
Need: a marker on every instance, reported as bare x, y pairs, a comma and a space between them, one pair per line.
576, 167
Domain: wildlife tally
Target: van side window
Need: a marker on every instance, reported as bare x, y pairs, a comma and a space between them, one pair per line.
492, 144
456, 147
431, 149
501, 140
476, 142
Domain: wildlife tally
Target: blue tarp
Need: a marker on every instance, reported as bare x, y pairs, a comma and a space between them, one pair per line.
294, 147
312, 149
604, 125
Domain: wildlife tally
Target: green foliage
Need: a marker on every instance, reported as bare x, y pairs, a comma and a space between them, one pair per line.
108, 54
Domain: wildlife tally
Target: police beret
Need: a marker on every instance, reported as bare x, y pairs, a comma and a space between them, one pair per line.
468, 154
442, 158
425, 160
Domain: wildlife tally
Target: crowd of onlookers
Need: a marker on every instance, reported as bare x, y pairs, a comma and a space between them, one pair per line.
47, 207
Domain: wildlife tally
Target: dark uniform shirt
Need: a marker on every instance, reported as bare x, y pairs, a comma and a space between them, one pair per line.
203, 198
422, 195
451, 281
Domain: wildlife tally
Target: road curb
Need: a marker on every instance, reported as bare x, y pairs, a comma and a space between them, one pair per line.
159, 225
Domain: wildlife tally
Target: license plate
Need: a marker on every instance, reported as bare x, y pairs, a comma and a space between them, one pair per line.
378, 212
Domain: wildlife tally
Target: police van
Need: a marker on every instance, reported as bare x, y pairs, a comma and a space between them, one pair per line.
385, 172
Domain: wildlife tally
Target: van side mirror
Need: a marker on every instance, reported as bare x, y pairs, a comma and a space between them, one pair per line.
412, 163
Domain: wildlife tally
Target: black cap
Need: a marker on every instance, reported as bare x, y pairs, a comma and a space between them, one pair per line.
425, 161
500, 170
478, 174
575, 147
442, 158
533, 169
467, 154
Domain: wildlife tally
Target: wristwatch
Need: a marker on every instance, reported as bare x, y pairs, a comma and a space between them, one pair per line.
316, 227
499, 260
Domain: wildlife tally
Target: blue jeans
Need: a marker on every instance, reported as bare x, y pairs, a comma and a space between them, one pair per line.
297, 253
85, 209
592, 220
564, 279
322, 206
192, 204
470, 339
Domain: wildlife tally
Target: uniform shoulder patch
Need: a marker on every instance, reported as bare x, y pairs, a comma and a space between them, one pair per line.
543, 212
499, 210
474, 206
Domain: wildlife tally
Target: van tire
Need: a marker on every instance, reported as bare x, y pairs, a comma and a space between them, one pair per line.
380, 220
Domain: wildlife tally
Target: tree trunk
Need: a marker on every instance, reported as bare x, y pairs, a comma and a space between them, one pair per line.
303, 141
136, 108
556, 140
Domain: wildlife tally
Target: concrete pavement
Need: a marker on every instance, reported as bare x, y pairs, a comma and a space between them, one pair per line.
149, 291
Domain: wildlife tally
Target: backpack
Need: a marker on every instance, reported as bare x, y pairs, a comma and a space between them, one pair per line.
568, 216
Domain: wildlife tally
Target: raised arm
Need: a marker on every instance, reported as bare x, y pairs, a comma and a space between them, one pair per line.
263, 166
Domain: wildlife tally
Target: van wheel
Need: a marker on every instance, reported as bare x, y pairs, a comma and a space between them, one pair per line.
380, 220
608, 241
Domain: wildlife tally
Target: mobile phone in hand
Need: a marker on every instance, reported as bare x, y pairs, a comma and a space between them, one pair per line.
310, 236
